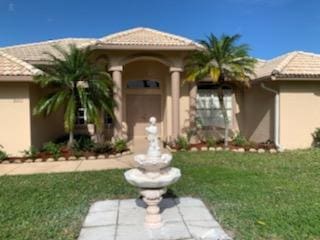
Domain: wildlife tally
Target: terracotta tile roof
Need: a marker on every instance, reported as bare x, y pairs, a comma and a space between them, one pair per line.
146, 37
12, 66
36, 51
293, 64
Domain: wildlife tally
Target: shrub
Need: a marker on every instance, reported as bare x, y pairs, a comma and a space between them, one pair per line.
102, 147
120, 145
3, 154
83, 143
182, 143
240, 141
32, 152
316, 137
52, 148
210, 141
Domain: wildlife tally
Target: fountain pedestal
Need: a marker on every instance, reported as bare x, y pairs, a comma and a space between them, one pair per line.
152, 176
152, 197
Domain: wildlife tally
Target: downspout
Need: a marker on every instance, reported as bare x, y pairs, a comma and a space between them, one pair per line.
276, 116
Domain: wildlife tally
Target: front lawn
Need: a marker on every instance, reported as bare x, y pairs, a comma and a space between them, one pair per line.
255, 196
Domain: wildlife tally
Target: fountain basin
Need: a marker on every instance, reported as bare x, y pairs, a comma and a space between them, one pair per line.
153, 164
139, 179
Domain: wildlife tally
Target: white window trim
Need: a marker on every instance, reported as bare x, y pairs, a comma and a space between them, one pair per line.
215, 109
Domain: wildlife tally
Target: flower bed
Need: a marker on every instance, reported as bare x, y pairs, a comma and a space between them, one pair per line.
83, 149
236, 145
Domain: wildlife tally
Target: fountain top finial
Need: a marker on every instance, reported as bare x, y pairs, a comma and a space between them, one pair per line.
152, 120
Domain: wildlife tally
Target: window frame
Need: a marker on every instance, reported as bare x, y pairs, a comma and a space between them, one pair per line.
214, 111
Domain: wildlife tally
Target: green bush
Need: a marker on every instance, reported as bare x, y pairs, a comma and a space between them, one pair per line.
182, 143
3, 154
316, 137
210, 141
83, 143
100, 148
52, 148
120, 145
32, 152
240, 141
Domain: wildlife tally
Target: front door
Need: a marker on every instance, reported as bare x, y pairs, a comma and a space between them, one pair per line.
139, 109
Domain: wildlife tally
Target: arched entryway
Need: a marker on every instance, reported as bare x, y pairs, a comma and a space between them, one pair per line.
141, 106
144, 86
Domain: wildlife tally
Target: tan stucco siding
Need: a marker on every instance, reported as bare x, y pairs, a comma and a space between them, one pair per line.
299, 113
44, 129
184, 102
14, 117
258, 120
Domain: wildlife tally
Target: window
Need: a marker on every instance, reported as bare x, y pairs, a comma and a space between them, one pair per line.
208, 107
132, 84
81, 118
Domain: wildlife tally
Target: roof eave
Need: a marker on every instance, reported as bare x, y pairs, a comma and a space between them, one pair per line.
296, 77
20, 78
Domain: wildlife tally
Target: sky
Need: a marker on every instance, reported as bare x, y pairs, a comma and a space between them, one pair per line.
270, 27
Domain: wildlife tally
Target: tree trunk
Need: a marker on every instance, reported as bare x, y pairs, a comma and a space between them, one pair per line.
71, 139
225, 116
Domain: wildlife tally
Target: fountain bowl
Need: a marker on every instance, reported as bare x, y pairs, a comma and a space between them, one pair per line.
153, 164
140, 179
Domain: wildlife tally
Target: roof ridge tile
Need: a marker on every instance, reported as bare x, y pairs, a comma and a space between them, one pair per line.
281, 66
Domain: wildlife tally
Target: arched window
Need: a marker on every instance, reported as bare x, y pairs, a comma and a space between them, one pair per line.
133, 84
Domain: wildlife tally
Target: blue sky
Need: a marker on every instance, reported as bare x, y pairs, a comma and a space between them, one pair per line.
270, 27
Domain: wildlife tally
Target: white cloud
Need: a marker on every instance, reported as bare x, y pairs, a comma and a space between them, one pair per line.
11, 7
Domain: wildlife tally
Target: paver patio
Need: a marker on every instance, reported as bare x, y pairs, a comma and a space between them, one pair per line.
184, 218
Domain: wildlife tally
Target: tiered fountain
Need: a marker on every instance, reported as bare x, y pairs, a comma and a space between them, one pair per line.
152, 176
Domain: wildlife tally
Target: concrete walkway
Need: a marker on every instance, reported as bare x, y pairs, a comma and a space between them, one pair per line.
66, 166
137, 146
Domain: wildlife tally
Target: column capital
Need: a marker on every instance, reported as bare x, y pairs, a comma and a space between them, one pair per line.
176, 69
116, 68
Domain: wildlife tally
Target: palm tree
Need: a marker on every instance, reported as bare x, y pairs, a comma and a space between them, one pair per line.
226, 63
75, 82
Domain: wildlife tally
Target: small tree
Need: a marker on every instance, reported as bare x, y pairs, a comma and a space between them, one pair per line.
75, 82
226, 63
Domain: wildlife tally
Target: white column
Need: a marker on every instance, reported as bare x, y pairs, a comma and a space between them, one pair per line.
175, 92
117, 95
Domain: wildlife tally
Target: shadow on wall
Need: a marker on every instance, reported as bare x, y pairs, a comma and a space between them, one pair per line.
258, 115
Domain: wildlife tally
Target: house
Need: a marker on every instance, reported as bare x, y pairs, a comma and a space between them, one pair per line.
147, 67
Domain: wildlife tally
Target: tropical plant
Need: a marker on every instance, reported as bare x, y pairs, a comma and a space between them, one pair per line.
83, 143
210, 141
240, 140
226, 63
3, 154
316, 137
75, 82
182, 143
100, 148
32, 152
52, 148
120, 145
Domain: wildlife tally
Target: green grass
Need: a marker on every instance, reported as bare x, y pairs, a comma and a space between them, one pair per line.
254, 196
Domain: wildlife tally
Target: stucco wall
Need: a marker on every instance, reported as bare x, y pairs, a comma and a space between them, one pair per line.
44, 129
258, 119
299, 113
184, 108
14, 117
